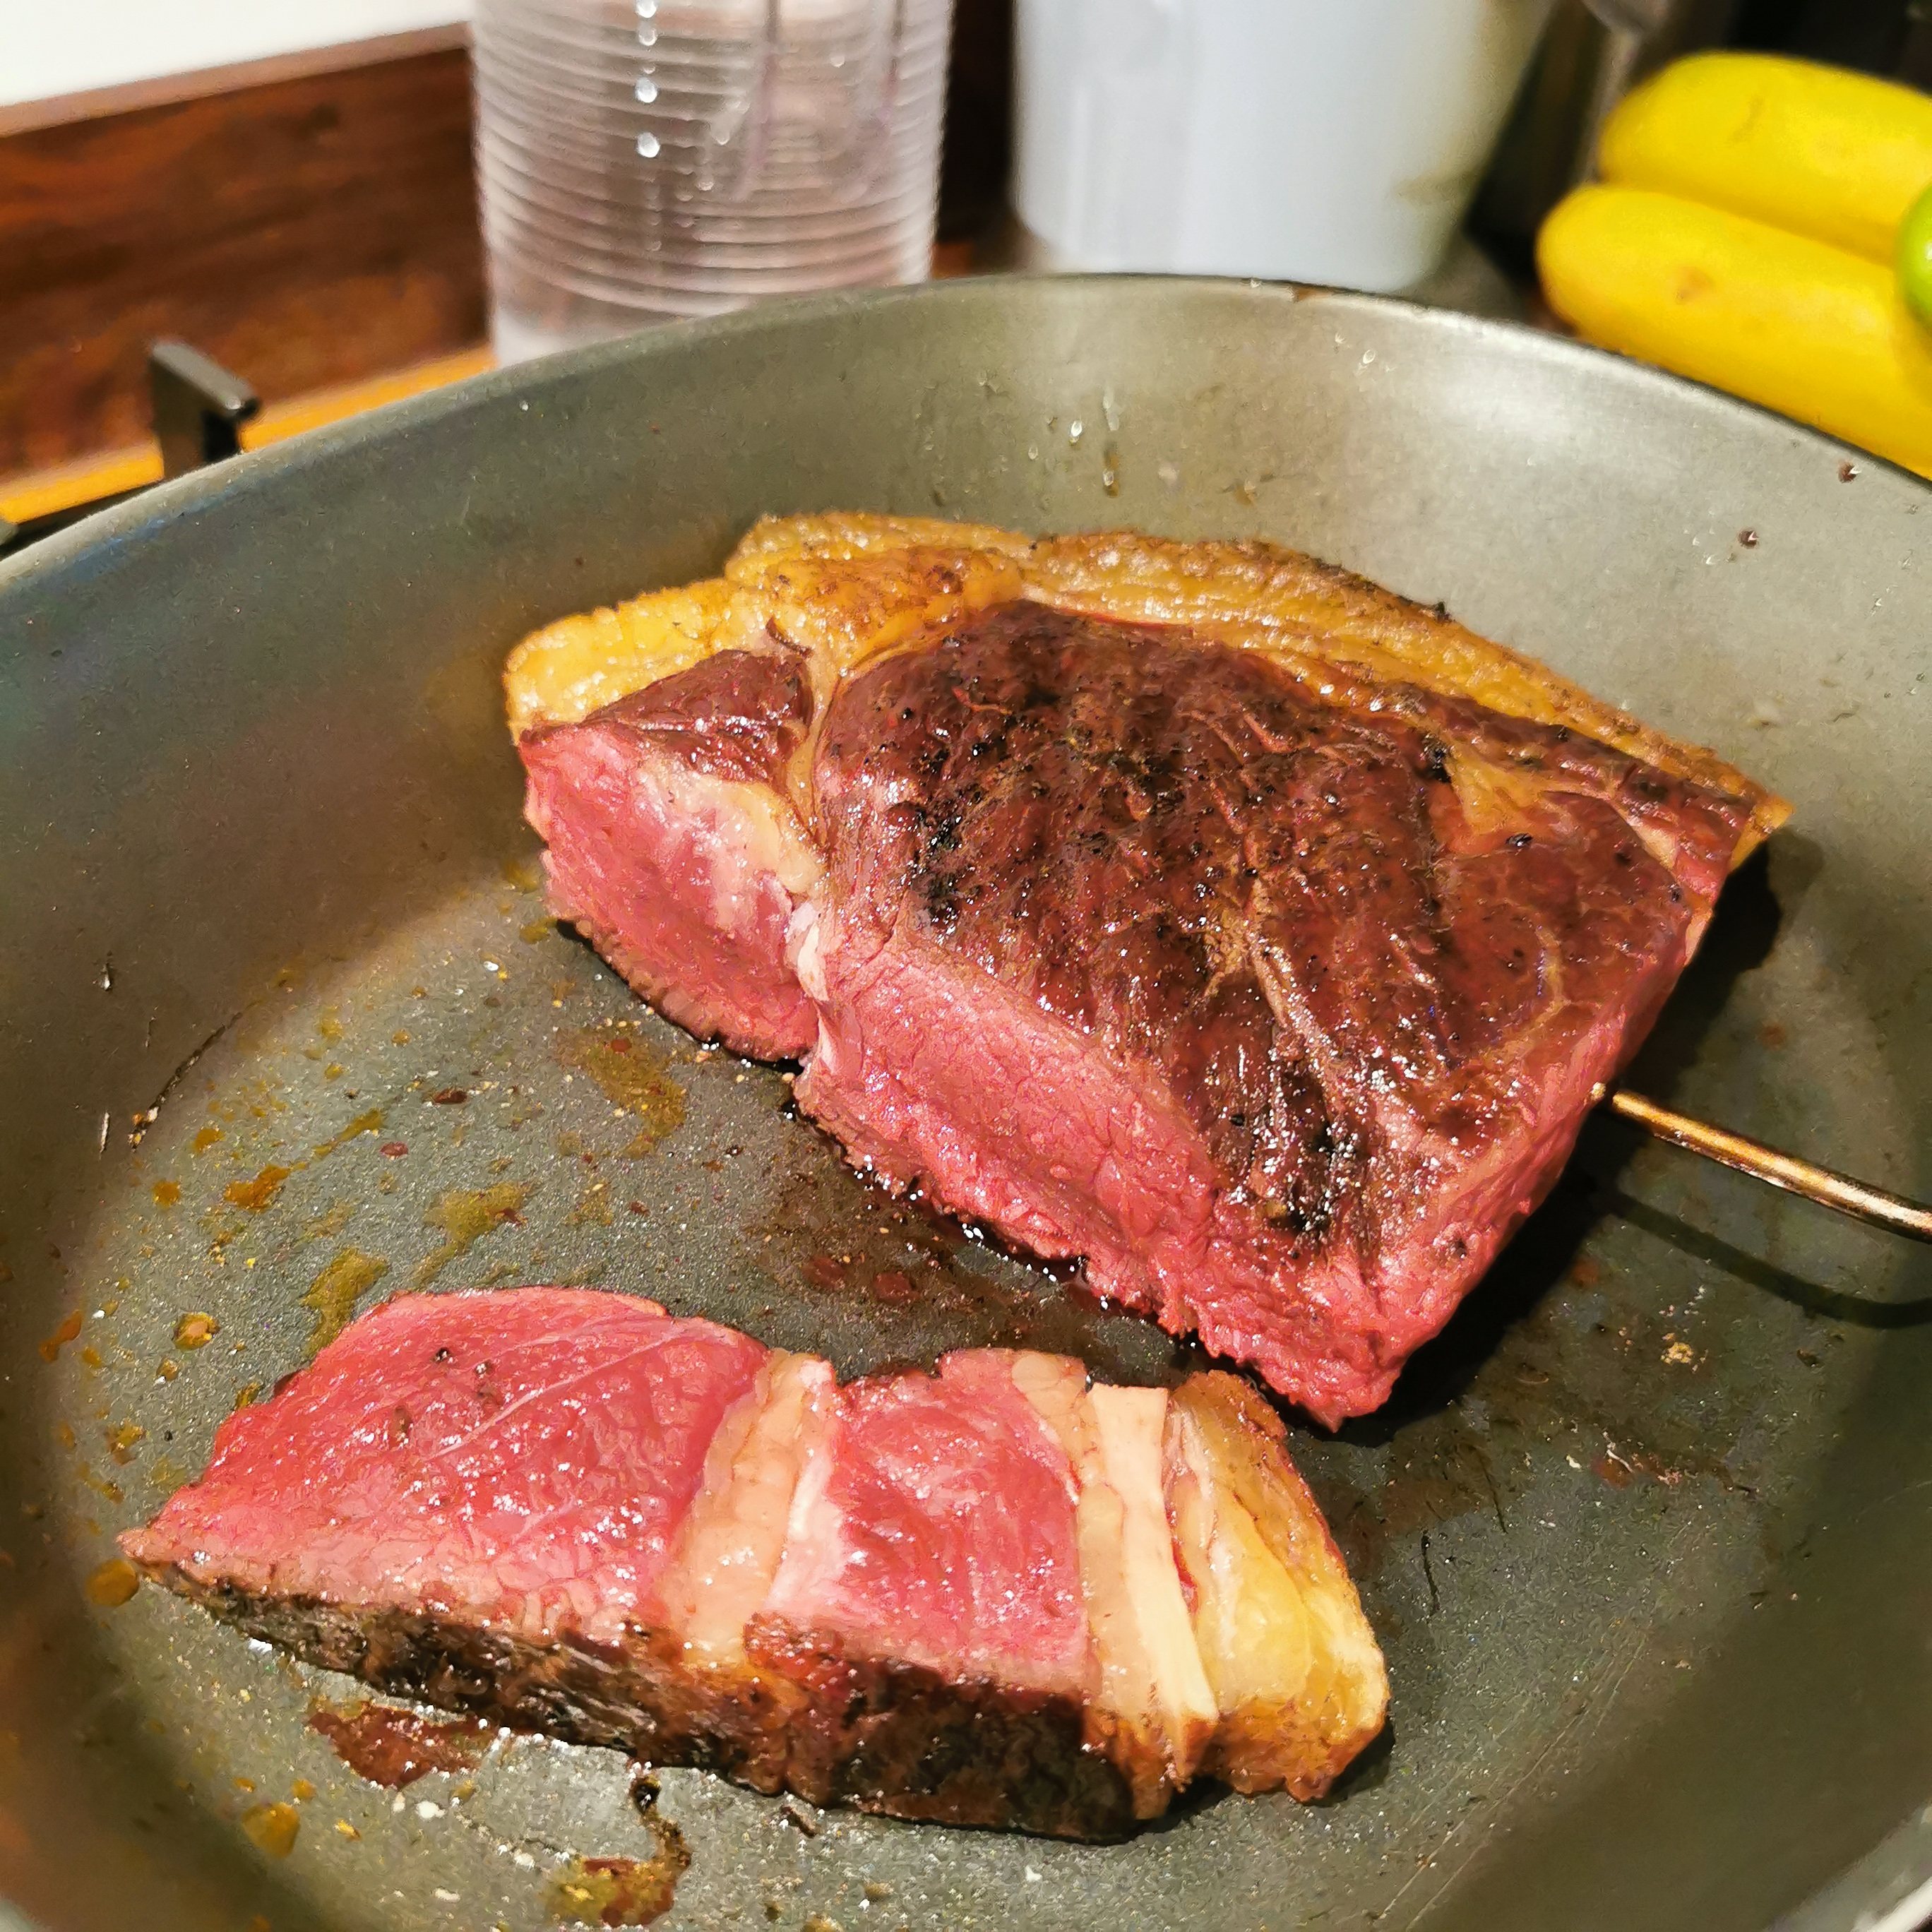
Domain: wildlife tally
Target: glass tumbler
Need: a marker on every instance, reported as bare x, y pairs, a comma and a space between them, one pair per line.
641, 160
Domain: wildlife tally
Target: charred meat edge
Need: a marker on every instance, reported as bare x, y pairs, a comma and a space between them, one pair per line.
885, 1737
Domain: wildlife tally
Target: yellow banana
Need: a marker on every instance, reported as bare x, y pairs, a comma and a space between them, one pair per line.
1836, 156
1778, 318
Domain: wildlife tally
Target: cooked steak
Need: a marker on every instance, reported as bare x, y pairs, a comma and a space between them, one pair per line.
958, 1596
1268, 968
671, 846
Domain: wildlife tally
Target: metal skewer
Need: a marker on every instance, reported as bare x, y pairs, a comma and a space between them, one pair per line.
1829, 1189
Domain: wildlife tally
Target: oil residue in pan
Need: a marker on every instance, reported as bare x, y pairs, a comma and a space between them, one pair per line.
1562, 1479
625, 1891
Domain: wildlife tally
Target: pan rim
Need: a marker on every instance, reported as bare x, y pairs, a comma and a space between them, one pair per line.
147, 516
1891, 1873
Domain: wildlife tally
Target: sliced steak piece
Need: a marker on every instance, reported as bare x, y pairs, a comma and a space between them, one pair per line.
1285, 1661
673, 847
955, 1596
1266, 957
1152, 1700
930, 1596
448, 1455
894, 1553
728, 1552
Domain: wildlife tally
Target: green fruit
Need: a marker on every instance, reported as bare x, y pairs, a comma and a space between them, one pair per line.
1915, 258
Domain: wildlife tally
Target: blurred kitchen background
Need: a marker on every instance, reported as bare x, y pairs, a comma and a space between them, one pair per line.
292, 189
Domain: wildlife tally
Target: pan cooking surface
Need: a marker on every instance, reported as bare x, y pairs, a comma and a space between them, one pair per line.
1611, 1529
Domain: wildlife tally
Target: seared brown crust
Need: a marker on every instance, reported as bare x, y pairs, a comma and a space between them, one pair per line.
738, 716
845, 586
637, 1698
885, 1737
1256, 594
898, 1738
1037, 780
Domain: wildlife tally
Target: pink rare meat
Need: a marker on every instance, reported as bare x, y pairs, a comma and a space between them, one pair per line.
895, 1550
955, 1596
531, 1475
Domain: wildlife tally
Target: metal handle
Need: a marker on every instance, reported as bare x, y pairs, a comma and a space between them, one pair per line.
1877, 1207
199, 408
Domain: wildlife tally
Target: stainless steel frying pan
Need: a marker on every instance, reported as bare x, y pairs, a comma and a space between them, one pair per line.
1648, 1533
